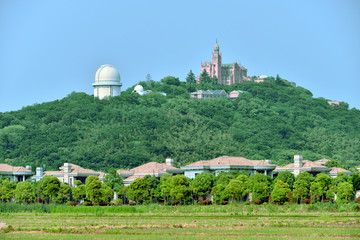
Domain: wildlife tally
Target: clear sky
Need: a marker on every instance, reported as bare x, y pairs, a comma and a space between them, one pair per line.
49, 49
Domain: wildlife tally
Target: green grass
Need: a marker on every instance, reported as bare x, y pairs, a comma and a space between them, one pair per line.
235, 208
319, 221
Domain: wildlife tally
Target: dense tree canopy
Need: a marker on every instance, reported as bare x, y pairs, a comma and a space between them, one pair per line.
274, 120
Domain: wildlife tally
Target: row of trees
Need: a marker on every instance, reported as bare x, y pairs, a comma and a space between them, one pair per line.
234, 186
51, 190
227, 186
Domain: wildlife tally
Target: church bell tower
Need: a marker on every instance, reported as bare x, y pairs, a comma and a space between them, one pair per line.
216, 61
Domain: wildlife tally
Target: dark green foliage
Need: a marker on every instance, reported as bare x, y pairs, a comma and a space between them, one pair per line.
202, 184
281, 191
286, 177
334, 163
190, 78
274, 120
51, 186
113, 180
204, 77
137, 191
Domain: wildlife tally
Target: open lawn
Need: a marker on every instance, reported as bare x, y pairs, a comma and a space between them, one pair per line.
185, 222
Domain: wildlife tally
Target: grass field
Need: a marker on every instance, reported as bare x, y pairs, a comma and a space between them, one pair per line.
185, 222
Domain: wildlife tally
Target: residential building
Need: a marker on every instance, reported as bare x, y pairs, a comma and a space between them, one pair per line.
69, 173
15, 173
301, 165
334, 172
234, 94
334, 103
153, 169
206, 94
225, 164
313, 167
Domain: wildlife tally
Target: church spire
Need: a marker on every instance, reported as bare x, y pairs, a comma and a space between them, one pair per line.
216, 49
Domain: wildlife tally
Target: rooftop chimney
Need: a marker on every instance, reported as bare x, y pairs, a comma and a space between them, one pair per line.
67, 171
297, 164
39, 171
169, 161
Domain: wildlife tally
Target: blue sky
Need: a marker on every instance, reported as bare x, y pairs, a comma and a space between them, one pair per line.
49, 49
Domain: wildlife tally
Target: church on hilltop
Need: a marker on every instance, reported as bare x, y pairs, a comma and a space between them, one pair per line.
226, 74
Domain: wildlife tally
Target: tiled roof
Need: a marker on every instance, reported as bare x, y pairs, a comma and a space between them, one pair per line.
227, 161
8, 168
324, 160
306, 164
51, 173
132, 178
337, 170
75, 169
125, 172
153, 168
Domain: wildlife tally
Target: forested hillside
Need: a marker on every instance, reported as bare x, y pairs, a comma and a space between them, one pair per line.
273, 120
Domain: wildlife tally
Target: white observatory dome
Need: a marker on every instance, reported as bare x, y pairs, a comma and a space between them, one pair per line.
138, 89
107, 82
107, 73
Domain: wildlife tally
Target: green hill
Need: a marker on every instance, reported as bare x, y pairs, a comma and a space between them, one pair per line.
274, 120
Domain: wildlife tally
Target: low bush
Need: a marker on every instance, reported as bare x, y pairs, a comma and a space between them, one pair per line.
175, 202
132, 204
204, 202
87, 204
224, 202
307, 201
72, 203
356, 208
39, 200
246, 203
257, 201
357, 200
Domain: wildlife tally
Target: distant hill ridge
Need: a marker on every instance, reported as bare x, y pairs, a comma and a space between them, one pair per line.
275, 120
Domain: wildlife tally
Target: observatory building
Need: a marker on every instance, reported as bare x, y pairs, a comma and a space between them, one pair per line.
107, 82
